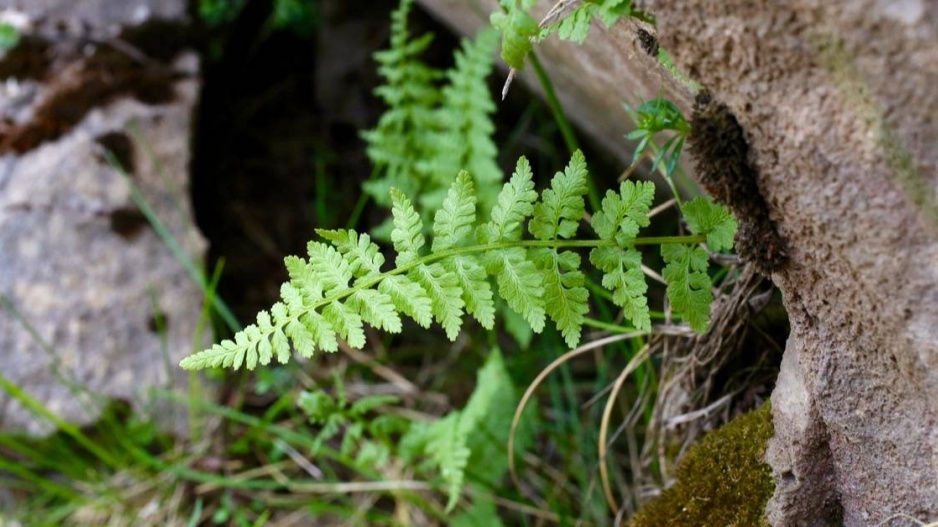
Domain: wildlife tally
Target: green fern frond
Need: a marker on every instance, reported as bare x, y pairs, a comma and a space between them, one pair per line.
558, 213
431, 130
472, 437
706, 217
688, 283
341, 285
514, 205
465, 117
410, 91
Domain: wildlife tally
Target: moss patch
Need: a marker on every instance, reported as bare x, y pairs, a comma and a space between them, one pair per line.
723, 480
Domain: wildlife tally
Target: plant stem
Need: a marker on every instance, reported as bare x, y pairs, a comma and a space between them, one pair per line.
497, 246
569, 137
612, 328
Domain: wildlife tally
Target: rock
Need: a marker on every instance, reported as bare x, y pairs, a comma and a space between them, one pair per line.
91, 294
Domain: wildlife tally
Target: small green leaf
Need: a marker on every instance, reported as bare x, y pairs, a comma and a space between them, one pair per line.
561, 208
408, 229
346, 322
9, 37
519, 283
453, 222
715, 221
689, 286
445, 295
377, 309
409, 298
518, 29
576, 26
515, 204
363, 256
623, 276
477, 293
565, 298
329, 268
623, 214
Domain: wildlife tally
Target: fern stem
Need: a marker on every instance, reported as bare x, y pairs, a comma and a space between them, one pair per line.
606, 326
569, 137
497, 246
553, 102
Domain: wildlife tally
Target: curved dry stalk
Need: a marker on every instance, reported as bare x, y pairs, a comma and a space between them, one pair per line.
589, 346
633, 364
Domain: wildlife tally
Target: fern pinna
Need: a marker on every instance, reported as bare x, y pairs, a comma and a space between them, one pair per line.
342, 284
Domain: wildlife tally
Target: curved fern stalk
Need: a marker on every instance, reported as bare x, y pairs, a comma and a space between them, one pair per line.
342, 284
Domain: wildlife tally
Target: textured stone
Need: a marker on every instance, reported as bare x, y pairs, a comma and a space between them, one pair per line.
838, 104
86, 281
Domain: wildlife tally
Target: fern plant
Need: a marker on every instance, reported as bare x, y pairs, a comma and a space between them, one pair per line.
464, 446
411, 94
342, 284
428, 132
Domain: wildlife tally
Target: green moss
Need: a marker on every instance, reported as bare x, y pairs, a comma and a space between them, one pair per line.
723, 480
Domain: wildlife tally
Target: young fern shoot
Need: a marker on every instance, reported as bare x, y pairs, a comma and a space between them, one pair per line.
342, 285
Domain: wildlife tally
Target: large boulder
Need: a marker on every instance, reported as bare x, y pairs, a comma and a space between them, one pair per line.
94, 302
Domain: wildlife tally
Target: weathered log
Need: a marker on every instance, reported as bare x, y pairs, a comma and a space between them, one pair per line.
838, 104
592, 80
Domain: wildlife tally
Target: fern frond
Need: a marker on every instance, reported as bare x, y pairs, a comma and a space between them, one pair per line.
624, 277
477, 292
565, 298
408, 229
474, 436
395, 145
342, 286
408, 298
455, 219
363, 256
711, 219
430, 132
558, 213
519, 283
575, 26
445, 295
623, 213
465, 117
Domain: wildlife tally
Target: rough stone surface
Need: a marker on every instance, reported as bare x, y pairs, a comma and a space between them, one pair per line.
86, 282
839, 106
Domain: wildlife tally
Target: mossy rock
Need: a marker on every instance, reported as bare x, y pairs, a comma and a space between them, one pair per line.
723, 480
